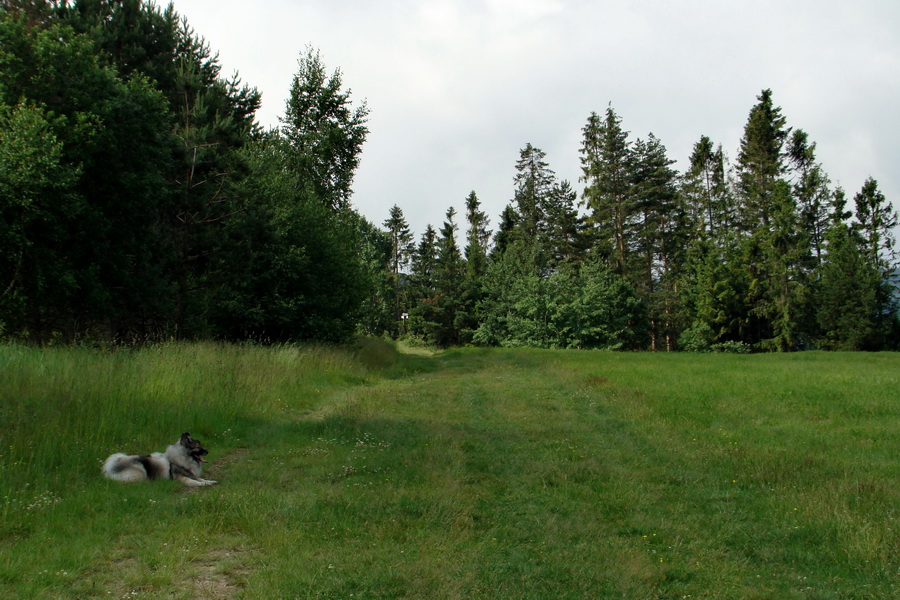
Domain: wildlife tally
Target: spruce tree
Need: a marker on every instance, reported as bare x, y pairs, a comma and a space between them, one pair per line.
444, 319
478, 238
402, 248
811, 189
565, 239
761, 162
772, 242
423, 282
605, 165
706, 192
849, 300
504, 236
875, 222
658, 236
534, 182
424, 262
787, 292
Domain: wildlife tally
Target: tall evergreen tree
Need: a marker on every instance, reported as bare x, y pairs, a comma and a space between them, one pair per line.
768, 231
605, 165
849, 302
423, 284
875, 223
786, 293
658, 236
442, 314
402, 248
811, 188
478, 238
565, 236
712, 280
504, 236
402, 245
761, 161
476, 255
133, 36
424, 263
534, 180
706, 190
214, 118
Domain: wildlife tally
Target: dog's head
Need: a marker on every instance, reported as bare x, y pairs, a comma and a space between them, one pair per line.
193, 447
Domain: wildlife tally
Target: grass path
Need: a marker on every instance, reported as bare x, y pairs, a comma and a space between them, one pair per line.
485, 474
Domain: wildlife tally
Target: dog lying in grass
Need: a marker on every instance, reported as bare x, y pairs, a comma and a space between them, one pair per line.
181, 461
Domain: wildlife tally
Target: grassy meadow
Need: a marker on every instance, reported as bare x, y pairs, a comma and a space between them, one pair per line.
364, 473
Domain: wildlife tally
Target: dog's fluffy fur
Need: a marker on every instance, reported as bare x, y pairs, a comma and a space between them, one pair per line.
181, 461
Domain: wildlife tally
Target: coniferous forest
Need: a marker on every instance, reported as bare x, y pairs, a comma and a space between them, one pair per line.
141, 201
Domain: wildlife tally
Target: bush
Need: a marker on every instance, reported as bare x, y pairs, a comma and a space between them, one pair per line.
732, 347
698, 338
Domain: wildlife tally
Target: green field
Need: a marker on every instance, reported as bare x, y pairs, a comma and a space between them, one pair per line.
365, 473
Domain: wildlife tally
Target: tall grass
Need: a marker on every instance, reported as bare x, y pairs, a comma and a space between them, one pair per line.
62, 410
360, 472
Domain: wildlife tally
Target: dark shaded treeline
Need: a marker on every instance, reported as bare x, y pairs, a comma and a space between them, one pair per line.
141, 201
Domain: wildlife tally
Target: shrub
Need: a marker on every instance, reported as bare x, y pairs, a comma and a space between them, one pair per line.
732, 347
698, 338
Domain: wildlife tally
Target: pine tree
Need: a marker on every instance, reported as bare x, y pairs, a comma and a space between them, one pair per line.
402, 248
786, 290
423, 282
534, 182
657, 237
478, 238
565, 238
849, 300
706, 190
761, 162
811, 188
443, 319
504, 236
213, 119
605, 164
424, 262
875, 222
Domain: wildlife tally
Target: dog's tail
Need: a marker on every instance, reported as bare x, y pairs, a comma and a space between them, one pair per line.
121, 467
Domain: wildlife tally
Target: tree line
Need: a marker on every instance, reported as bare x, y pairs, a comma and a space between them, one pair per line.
141, 201
761, 255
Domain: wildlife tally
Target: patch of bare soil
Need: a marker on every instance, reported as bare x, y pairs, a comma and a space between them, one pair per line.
217, 575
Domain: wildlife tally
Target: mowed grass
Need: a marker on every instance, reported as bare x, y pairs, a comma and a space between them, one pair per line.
363, 473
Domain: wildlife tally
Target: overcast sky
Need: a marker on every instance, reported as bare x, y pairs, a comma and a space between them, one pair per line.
457, 87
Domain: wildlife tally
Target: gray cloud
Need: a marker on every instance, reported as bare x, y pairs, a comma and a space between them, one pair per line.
456, 88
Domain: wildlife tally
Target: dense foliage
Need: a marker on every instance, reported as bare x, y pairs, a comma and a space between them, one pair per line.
140, 200
759, 255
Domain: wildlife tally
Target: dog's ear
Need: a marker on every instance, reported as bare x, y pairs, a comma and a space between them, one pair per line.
186, 439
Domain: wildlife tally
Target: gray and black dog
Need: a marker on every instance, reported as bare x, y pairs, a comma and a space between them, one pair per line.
181, 461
